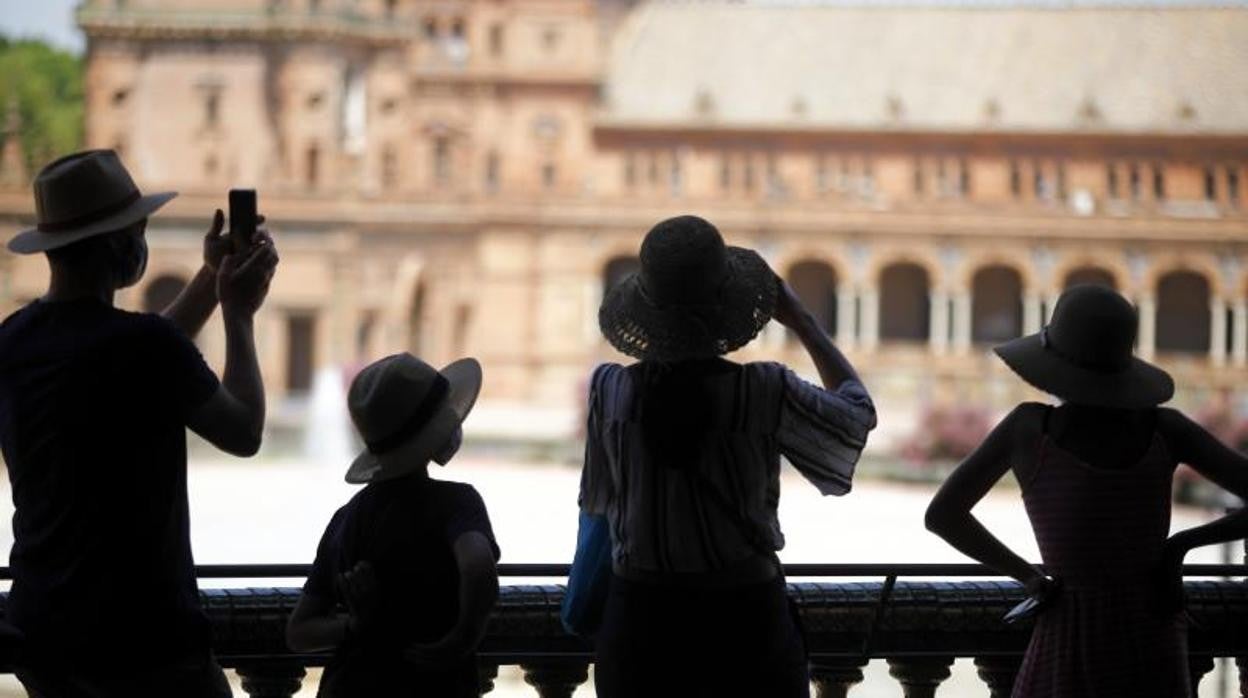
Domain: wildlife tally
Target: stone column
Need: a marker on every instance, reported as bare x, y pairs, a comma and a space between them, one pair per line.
920, 676
833, 679
962, 322
557, 679
276, 680
938, 332
486, 673
1049, 305
1147, 308
999, 673
1239, 334
1217, 331
847, 316
1198, 665
1033, 313
869, 332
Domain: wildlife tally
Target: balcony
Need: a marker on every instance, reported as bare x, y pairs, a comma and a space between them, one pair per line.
919, 627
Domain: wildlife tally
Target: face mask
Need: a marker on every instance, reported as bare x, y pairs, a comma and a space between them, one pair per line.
450, 448
130, 255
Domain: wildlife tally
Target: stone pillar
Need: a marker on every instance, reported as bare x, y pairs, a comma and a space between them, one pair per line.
1147, 308
999, 673
1198, 665
556, 679
833, 679
486, 673
847, 316
962, 322
938, 331
1049, 305
1033, 313
1239, 334
1217, 331
920, 676
869, 332
276, 680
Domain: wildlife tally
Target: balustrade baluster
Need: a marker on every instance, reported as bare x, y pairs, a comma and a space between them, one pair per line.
919, 676
271, 680
556, 679
1198, 665
998, 672
834, 678
486, 673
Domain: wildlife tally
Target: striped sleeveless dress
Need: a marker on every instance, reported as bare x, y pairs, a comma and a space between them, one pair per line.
1101, 532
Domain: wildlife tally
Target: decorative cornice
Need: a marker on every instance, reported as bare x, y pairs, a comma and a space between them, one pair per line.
282, 26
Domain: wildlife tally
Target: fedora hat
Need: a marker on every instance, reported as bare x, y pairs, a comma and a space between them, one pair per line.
406, 410
1084, 355
694, 297
81, 195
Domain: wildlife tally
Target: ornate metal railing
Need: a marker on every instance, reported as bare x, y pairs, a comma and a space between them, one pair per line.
919, 627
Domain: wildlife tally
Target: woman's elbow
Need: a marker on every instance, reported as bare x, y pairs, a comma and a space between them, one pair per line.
937, 519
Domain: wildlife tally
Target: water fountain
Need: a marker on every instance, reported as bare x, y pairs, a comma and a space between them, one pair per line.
328, 439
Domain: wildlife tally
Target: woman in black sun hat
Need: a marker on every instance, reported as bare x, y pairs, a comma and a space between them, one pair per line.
1096, 478
683, 460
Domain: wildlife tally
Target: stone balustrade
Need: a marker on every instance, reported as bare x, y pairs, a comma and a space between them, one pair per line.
919, 627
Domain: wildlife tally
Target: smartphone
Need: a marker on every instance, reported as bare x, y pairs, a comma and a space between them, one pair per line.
242, 218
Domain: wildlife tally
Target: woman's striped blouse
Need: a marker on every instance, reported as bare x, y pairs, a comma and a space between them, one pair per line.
722, 508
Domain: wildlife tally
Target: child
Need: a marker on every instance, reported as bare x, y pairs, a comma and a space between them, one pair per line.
1096, 477
404, 577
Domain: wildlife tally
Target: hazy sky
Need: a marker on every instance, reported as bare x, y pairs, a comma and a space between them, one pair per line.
51, 20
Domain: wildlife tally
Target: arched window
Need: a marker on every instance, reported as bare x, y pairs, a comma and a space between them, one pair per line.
1183, 313
815, 283
904, 303
996, 305
161, 292
417, 342
616, 270
1095, 276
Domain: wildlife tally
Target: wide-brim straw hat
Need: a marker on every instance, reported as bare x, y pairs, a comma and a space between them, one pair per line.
694, 297
1085, 355
406, 411
84, 194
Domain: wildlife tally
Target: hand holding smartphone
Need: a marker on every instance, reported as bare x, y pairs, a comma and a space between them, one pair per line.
242, 218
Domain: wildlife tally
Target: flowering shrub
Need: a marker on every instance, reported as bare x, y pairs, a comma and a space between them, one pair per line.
947, 432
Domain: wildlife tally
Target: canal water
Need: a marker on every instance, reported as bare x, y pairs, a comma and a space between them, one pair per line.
274, 510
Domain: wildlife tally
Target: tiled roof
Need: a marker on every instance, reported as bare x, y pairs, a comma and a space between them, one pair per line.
942, 68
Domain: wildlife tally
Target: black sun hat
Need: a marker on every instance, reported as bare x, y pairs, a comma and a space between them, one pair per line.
1085, 356
405, 410
694, 297
81, 195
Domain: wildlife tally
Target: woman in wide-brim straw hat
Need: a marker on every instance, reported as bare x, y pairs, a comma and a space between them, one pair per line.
1096, 476
683, 459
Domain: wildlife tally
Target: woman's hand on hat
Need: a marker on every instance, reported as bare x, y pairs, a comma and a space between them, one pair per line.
243, 280
790, 311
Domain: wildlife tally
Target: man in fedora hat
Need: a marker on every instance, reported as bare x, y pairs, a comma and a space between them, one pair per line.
410, 558
94, 406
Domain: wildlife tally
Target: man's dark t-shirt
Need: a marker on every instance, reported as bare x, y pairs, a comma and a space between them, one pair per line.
406, 529
94, 403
